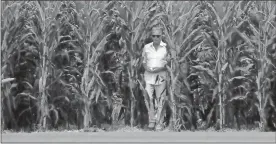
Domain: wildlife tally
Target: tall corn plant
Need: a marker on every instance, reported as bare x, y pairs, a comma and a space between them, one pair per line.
43, 77
226, 40
262, 23
220, 40
28, 30
236, 72
180, 35
91, 84
52, 36
8, 17
95, 35
69, 48
221, 34
47, 43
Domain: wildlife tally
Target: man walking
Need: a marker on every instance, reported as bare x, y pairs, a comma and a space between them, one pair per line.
155, 56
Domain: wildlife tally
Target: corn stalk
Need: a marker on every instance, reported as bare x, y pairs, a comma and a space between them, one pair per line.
25, 29
223, 34
5, 82
46, 49
135, 13
263, 29
91, 83
262, 36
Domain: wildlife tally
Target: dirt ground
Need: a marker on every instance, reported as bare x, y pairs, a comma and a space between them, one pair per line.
140, 137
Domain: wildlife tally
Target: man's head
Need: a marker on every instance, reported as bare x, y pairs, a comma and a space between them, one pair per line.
156, 34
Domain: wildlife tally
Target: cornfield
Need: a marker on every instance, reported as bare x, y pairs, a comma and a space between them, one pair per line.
77, 64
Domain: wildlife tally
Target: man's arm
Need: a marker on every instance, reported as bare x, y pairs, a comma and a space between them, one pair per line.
144, 61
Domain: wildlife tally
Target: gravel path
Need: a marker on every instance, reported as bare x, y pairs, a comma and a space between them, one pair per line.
141, 137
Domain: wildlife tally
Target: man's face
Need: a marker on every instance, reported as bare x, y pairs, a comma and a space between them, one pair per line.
156, 36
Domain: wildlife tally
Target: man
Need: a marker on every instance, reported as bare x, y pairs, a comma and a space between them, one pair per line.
155, 56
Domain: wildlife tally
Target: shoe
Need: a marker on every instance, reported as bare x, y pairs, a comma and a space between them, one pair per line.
151, 125
158, 127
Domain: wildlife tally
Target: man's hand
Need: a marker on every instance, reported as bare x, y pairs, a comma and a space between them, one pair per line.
158, 69
150, 69
154, 70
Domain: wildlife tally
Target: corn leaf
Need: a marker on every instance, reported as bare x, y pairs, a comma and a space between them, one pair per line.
6, 80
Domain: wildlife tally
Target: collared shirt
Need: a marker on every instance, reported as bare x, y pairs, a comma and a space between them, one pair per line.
155, 58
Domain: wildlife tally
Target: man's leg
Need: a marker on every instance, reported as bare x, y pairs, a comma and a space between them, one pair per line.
160, 95
150, 89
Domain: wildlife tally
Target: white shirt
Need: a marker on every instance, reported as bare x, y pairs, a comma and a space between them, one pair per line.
155, 58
